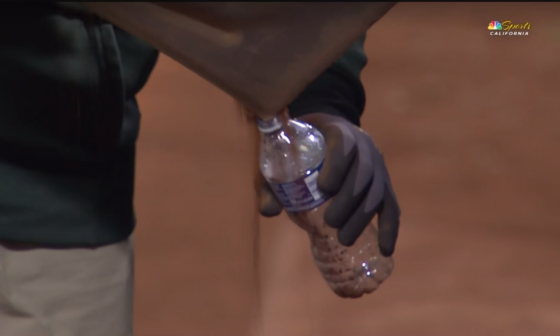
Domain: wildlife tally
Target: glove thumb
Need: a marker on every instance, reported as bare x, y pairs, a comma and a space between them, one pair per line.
268, 204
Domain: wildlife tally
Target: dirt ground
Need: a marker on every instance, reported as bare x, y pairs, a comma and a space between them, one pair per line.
470, 127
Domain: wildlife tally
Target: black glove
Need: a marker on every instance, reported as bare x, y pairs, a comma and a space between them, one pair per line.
354, 172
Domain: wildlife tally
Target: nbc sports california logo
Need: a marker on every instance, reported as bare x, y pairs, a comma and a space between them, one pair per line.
508, 28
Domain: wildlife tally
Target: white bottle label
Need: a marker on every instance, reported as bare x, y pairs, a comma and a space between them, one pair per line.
302, 194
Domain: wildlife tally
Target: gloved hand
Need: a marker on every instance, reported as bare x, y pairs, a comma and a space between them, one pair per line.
354, 172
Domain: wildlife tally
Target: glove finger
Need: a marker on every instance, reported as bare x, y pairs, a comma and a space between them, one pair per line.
385, 201
388, 222
377, 191
360, 219
268, 204
341, 151
354, 188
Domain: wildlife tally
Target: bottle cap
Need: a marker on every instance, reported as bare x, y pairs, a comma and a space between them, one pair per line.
270, 125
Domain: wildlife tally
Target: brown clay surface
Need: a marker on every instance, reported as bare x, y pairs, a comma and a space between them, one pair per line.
470, 127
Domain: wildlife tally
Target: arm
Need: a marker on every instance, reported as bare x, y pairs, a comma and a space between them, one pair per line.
337, 91
263, 69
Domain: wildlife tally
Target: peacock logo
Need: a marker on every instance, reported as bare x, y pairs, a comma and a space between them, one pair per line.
508, 28
495, 25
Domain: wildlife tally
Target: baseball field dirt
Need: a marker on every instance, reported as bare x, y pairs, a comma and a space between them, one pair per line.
470, 127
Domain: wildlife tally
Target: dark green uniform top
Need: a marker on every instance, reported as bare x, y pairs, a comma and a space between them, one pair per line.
69, 121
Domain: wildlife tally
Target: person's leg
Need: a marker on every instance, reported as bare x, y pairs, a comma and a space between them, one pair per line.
66, 292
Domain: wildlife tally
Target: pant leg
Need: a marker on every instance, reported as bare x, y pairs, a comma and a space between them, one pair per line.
66, 292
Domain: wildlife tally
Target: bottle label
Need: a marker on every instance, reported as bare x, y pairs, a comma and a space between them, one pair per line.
302, 194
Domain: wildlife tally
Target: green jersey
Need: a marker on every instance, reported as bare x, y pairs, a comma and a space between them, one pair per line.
69, 121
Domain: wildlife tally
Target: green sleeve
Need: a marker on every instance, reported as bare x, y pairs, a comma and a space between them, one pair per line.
338, 90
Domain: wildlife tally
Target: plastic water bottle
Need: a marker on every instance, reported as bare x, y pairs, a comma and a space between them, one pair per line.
291, 156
